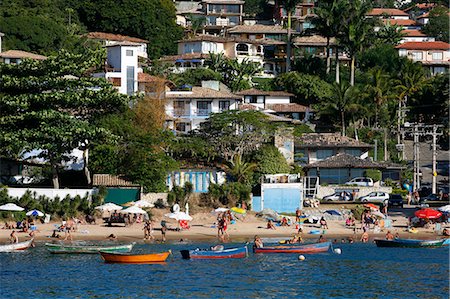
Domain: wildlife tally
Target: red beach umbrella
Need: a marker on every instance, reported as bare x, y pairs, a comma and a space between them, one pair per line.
372, 206
428, 214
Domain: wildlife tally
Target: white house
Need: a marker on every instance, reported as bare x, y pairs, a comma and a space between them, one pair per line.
109, 39
412, 35
186, 109
388, 13
435, 54
121, 67
16, 56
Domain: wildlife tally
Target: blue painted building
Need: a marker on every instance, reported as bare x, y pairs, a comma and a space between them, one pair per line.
199, 178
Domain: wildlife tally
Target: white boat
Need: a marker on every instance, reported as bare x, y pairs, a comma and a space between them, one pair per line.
16, 246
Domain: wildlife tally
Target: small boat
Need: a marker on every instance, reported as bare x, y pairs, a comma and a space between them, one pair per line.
65, 248
16, 246
302, 248
230, 253
446, 241
409, 243
110, 257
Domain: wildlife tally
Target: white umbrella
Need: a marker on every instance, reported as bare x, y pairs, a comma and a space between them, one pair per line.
445, 209
109, 207
35, 213
220, 210
143, 204
11, 207
379, 214
179, 216
134, 210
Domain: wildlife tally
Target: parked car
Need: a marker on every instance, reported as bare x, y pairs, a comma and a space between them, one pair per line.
431, 197
336, 196
395, 200
375, 196
361, 181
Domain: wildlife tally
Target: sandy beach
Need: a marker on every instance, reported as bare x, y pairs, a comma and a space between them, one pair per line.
203, 228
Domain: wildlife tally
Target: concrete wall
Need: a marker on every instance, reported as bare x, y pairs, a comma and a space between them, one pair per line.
51, 193
153, 197
328, 190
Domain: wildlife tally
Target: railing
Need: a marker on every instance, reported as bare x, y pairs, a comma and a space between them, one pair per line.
203, 112
181, 113
282, 179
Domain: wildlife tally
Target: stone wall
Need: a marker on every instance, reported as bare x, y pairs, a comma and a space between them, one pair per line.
153, 197
361, 191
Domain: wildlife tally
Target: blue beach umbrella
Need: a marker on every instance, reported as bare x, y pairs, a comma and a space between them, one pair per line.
333, 212
35, 213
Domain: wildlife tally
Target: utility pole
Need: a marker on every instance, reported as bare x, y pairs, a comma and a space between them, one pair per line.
375, 152
434, 174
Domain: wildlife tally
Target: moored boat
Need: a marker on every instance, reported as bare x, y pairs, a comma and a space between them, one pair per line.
230, 253
300, 248
16, 246
66, 248
110, 257
412, 243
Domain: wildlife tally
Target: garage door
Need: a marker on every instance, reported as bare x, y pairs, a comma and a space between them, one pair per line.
282, 199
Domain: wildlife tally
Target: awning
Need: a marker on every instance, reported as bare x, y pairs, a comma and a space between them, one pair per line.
196, 60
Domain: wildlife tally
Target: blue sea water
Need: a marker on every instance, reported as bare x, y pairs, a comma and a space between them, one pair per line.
361, 271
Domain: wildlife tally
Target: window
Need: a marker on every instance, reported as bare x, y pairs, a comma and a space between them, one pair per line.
224, 105
242, 49
129, 52
130, 80
354, 152
182, 127
115, 81
437, 56
203, 108
416, 56
254, 99
324, 153
180, 108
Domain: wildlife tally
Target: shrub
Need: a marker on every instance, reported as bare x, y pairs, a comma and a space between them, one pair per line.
159, 203
402, 192
374, 174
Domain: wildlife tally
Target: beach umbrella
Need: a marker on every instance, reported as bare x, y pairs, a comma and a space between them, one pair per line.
220, 210
378, 214
35, 213
11, 207
179, 216
372, 206
143, 204
445, 209
333, 212
109, 207
428, 214
238, 210
134, 210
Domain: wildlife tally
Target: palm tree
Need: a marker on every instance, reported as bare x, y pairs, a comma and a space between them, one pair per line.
377, 89
289, 6
197, 22
240, 170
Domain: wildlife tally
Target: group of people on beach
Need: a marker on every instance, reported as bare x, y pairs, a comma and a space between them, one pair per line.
223, 220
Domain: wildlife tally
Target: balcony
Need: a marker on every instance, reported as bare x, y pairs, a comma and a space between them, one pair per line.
203, 112
184, 113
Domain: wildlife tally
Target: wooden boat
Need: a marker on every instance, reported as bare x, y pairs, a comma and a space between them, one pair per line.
409, 243
65, 248
231, 253
110, 257
296, 248
16, 246
446, 241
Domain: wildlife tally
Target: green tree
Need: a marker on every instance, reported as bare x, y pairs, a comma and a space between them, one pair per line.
269, 160
240, 170
289, 6
438, 25
197, 23
155, 21
235, 133
377, 89
258, 8
390, 35
51, 105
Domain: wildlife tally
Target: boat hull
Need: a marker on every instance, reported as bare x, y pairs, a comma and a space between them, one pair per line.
304, 249
16, 247
109, 257
410, 243
232, 253
75, 249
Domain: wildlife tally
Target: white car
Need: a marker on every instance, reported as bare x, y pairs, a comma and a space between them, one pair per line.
361, 181
339, 196
375, 197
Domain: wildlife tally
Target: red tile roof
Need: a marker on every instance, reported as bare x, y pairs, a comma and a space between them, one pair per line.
400, 22
387, 11
18, 54
422, 6
425, 15
291, 107
413, 33
424, 46
115, 37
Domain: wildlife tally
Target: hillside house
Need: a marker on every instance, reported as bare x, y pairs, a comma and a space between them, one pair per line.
16, 56
434, 55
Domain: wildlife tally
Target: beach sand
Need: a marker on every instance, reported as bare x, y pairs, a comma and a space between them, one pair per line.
203, 228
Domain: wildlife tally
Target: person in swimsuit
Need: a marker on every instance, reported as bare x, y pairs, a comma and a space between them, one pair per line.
258, 242
270, 225
365, 236
13, 237
163, 230
389, 236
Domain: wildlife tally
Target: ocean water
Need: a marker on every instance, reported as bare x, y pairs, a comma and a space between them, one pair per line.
361, 271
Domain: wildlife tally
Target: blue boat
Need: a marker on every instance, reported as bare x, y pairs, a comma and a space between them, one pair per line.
231, 253
409, 243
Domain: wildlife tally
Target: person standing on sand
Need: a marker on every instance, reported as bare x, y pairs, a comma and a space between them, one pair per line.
13, 237
365, 236
389, 236
163, 230
68, 230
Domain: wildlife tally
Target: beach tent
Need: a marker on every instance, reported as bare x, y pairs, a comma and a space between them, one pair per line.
134, 210
35, 213
220, 210
143, 204
179, 216
109, 207
11, 207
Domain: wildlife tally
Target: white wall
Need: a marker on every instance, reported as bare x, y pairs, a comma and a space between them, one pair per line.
277, 100
52, 193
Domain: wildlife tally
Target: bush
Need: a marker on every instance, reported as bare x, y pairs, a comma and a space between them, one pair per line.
402, 192
358, 211
374, 174
159, 204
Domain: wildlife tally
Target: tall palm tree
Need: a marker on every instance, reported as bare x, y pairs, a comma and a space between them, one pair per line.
289, 6
240, 170
197, 22
377, 89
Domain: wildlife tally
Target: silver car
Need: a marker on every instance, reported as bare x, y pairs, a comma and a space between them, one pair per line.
375, 197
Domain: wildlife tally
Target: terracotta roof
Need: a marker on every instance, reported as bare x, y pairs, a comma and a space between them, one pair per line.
291, 107
248, 107
422, 6
229, 39
400, 22
188, 56
147, 78
202, 93
258, 28
313, 40
387, 11
277, 118
343, 160
413, 33
130, 44
110, 180
21, 55
114, 37
424, 46
425, 15
328, 140
257, 92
